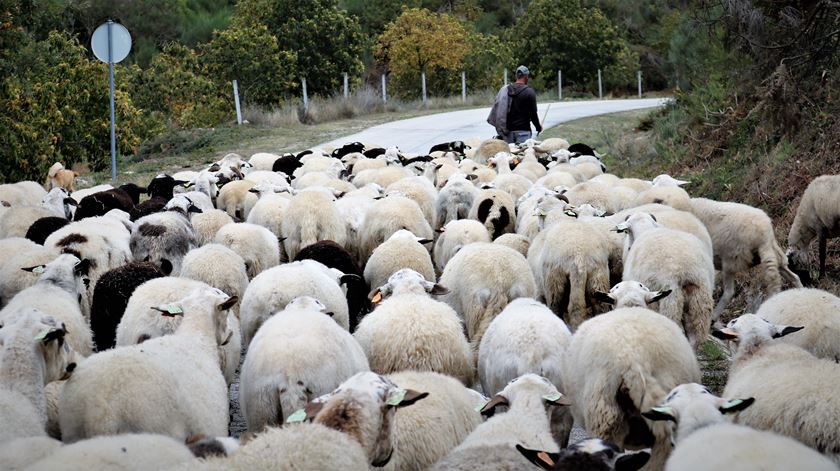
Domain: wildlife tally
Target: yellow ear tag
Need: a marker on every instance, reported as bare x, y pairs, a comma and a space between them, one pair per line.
38, 270
377, 298
298, 416
545, 458
552, 397
396, 397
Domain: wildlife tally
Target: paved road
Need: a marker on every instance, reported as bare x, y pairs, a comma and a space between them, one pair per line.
418, 135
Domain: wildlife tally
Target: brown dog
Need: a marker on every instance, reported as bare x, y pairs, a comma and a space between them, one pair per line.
58, 176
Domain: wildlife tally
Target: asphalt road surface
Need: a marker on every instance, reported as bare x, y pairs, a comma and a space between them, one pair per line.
418, 135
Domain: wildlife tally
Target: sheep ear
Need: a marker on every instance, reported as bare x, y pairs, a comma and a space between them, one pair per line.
47, 335
736, 405
557, 399
725, 334
82, 267
183, 183
214, 168
788, 329
490, 408
404, 397
71, 202
425, 241
229, 303
194, 209
604, 297
632, 460
542, 459
472, 176
438, 290
660, 413
440, 230
38, 269
348, 277
656, 296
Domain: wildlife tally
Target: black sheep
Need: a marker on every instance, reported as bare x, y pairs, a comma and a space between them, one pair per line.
335, 256
459, 147
160, 191
374, 153
110, 298
581, 149
123, 198
286, 164
42, 228
348, 149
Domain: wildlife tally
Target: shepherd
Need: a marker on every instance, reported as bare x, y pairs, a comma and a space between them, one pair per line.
515, 109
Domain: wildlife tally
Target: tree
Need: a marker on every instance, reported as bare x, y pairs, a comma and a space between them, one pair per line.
251, 56
421, 41
485, 62
325, 40
561, 34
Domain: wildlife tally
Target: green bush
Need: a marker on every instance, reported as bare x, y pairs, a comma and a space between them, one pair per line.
55, 108
252, 57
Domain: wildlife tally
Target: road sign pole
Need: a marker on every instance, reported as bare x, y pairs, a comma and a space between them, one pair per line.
236, 101
111, 80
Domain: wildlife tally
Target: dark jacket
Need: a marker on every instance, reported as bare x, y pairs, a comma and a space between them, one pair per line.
523, 108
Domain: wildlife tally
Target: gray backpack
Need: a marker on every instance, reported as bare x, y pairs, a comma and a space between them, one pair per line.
499, 112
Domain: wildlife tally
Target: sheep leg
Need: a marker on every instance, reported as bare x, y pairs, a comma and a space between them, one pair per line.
728, 294
823, 240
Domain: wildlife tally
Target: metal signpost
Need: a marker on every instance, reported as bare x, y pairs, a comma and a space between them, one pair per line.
111, 43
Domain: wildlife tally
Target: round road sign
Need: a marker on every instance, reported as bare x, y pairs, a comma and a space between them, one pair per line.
120, 42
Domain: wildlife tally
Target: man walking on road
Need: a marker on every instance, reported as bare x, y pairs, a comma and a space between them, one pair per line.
520, 102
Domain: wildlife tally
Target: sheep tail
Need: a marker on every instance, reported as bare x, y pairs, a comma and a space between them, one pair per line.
309, 233
577, 297
697, 317
556, 286
671, 306
488, 304
769, 256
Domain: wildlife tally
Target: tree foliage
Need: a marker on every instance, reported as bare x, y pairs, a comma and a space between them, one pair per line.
252, 57
562, 34
55, 108
419, 40
326, 41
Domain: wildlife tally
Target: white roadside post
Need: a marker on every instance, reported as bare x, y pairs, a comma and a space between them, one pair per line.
305, 96
111, 43
384, 90
346, 86
464, 86
559, 84
506, 80
639, 75
236, 100
423, 82
600, 86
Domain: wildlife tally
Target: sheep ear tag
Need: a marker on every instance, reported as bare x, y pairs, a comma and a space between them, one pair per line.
42, 335
38, 270
557, 399
542, 459
377, 298
481, 405
170, 310
298, 416
396, 397
736, 405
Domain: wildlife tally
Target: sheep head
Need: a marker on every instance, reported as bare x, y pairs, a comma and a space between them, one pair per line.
630, 294
592, 453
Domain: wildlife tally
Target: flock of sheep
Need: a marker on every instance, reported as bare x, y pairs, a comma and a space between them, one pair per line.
457, 310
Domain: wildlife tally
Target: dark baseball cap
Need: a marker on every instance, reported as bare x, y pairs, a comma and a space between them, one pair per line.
522, 71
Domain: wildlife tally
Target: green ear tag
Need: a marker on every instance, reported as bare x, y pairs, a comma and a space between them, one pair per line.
731, 404
174, 309
298, 416
42, 335
552, 397
396, 397
481, 405
38, 270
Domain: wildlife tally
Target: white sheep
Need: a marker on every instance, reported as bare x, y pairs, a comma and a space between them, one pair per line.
56, 293
422, 191
18, 454
273, 289
33, 352
257, 246
15, 221
25, 193
411, 331
631, 293
129, 452
387, 216
483, 278
495, 209
402, 250
814, 218
516, 185
526, 337
742, 237
794, 391
531, 400
620, 364
172, 385
59, 202
671, 218
454, 236
312, 216
383, 176
455, 199
14, 256
666, 259
270, 211
818, 310
672, 196
235, 199
699, 427
207, 223
353, 207
296, 355
431, 428
570, 264
488, 149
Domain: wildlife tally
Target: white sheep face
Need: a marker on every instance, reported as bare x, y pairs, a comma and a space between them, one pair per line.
633, 294
750, 326
306, 303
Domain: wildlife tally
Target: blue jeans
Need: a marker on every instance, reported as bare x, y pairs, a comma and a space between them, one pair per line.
517, 137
